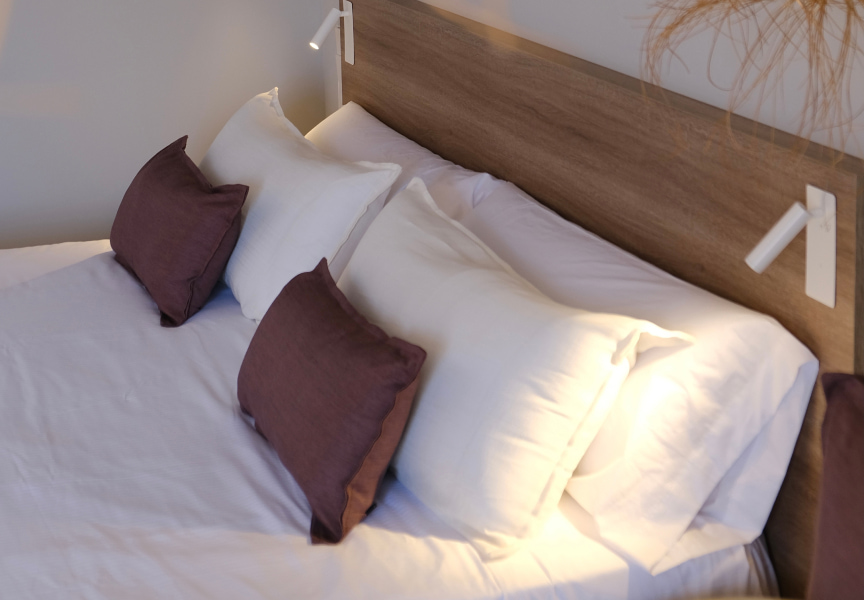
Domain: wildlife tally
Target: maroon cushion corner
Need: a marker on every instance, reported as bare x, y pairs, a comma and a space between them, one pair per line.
175, 232
838, 566
332, 393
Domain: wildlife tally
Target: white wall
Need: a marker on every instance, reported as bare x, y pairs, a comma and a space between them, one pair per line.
90, 89
610, 32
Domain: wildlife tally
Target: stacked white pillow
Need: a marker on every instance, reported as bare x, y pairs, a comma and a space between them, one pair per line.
746, 381
697, 445
515, 385
302, 204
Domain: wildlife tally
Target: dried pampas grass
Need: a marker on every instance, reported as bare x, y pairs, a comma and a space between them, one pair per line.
769, 36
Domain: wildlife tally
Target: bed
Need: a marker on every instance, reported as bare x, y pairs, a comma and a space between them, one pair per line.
254, 544
102, 533
165, 491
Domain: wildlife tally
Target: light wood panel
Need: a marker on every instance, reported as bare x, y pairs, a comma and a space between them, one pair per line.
661, 175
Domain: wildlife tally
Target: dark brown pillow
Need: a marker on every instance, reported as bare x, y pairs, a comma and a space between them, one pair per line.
332, 393
838, 569
175, 232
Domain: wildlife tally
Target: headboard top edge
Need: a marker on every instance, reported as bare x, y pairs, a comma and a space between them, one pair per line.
736, 123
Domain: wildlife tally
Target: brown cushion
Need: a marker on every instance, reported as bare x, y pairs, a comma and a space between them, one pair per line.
332, 393
838, 569
175, 232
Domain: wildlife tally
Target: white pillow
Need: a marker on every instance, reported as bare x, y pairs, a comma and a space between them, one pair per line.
579, 269
352, 134
302, 205
695, 449
515, 385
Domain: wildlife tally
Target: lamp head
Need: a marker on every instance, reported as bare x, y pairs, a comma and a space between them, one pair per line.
330, 21
327, 26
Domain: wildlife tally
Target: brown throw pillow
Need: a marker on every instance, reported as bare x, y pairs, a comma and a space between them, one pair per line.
838, 570
332, 393
175, 232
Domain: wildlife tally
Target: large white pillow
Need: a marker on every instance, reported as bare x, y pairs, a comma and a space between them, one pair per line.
579, 269
515, 385
302, 204
695, 449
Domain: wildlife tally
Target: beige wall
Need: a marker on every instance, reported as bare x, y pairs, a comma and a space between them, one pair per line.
90, 89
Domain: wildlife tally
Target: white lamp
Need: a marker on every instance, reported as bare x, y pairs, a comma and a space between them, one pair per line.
820, 219
776, 240
331, 21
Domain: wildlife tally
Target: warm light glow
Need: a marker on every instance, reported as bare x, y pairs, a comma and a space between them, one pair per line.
314, 45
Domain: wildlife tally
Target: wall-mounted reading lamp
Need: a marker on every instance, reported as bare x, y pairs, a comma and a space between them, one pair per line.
820, 218
331, 21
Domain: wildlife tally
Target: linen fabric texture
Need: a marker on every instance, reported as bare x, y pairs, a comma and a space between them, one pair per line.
677, 502
175, 232
837, 566
510, 394
302, 204
696, 447
331, 392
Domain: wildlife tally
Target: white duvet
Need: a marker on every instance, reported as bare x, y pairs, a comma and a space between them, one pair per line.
126, 471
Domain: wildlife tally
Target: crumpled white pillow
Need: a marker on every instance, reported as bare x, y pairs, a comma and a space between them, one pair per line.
302, 204
574, 267
515, 385
696, 447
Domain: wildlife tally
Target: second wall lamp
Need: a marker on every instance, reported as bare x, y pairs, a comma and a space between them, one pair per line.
820, 219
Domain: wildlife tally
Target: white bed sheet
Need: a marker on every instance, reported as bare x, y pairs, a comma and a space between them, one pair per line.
126, 471
18, 265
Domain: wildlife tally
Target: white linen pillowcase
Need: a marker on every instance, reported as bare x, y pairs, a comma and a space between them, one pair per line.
696, 447
302, 204
515, 385
579, 269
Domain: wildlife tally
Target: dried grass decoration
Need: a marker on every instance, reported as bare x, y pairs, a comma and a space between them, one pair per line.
769, 36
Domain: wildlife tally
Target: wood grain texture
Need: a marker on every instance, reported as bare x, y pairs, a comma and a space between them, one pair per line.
668, 178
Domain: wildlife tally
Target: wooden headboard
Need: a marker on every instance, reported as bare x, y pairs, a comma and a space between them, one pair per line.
668, 178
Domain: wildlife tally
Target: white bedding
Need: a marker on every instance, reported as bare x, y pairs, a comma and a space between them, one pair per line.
127, 472
23, 264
